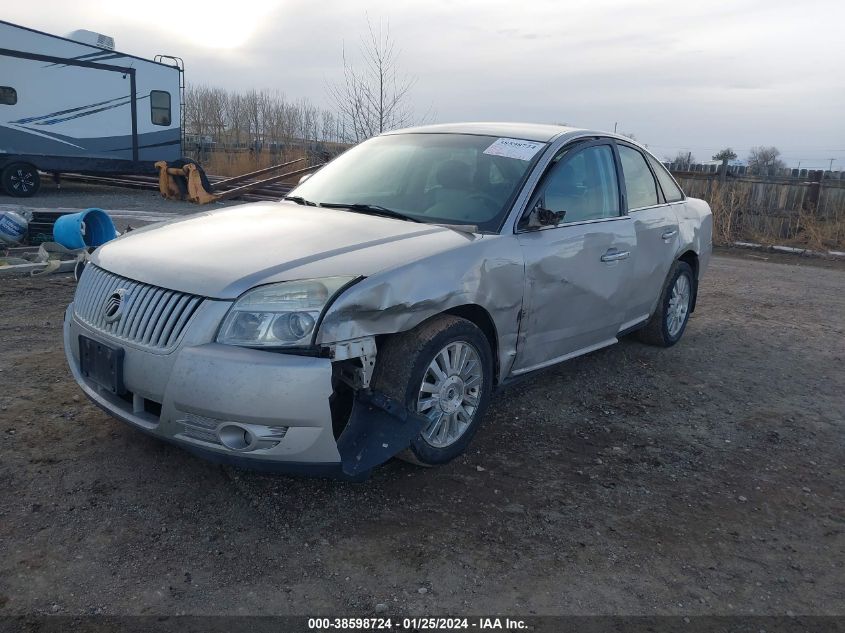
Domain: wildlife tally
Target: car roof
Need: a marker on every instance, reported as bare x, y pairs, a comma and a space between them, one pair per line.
525, 131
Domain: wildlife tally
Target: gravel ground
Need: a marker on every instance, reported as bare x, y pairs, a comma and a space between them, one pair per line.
138, 203
703, 479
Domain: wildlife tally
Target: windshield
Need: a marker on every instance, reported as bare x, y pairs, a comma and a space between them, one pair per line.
436, 178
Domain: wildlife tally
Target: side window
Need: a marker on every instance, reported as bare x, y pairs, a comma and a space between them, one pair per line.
8, 96
160, 107
642, 190
583, 185
671, 191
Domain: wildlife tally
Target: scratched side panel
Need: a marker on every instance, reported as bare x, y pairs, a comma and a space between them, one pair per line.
658, 246
488, 272
695, 223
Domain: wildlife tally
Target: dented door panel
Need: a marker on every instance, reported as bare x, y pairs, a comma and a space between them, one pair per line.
658, 244
574, 288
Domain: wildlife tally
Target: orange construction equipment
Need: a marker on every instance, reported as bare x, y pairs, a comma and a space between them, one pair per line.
186, 182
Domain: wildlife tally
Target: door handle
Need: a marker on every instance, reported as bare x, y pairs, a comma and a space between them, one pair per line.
614, 256
668, 235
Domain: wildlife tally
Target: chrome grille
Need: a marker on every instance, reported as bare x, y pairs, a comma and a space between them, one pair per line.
150, 316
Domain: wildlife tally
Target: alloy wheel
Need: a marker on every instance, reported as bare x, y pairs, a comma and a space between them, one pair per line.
22, 180
450, 393
679, 302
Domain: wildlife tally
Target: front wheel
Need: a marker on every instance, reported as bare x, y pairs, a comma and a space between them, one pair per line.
666, 326
442, 370
20, 180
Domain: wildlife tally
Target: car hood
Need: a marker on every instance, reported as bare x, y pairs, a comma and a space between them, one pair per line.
221, 254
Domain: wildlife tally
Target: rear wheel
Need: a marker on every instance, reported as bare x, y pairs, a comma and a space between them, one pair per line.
20, 180
442, 370
666, 326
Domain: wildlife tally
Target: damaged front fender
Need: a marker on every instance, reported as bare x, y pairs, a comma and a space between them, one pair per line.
487, 272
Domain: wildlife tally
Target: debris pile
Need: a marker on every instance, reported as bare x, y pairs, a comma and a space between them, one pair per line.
40, 242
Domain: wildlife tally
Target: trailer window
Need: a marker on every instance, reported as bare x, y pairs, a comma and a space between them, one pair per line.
8, 96
160, 107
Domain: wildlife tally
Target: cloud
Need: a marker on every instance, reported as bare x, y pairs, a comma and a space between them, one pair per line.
724, 72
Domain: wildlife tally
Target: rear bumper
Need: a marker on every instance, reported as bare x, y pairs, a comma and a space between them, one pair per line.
280, 402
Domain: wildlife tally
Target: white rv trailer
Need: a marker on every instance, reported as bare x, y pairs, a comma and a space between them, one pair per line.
72, 106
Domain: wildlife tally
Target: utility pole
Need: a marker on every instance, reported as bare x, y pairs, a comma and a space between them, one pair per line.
615, 123
831, 164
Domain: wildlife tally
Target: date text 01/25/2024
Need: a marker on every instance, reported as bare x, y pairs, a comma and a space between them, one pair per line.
414, 624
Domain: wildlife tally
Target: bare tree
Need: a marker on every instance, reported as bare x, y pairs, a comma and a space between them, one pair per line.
682, 160
256, 120
373, 97
762, 160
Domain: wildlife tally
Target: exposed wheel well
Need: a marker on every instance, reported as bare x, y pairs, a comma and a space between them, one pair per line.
481, 318
691, 258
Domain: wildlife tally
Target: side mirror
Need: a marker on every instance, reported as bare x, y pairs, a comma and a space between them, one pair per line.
304, 178
540, 216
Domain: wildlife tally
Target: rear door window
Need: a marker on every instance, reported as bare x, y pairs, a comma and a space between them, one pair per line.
639, 183
671, 191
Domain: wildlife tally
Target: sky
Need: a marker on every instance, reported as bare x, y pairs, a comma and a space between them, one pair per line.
680, 76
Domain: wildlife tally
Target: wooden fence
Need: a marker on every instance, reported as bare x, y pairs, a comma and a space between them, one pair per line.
779, 205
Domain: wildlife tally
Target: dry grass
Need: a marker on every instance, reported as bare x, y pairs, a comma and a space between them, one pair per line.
820, 233
735, 220
235, 163
727, 205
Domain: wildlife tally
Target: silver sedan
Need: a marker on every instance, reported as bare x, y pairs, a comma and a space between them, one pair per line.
373, 312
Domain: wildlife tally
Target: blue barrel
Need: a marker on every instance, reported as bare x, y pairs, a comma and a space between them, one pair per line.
91, 227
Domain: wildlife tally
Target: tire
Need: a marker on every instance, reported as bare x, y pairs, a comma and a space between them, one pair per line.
20, 180
403, 364
661, 329
181, 162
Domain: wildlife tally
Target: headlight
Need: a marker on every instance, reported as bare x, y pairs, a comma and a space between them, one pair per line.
279, 315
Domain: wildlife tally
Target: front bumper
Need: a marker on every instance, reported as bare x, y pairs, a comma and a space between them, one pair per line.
187, 395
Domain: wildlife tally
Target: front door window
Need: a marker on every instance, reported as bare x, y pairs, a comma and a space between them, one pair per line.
583, 185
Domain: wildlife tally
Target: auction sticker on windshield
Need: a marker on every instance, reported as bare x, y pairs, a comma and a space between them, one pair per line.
513, 148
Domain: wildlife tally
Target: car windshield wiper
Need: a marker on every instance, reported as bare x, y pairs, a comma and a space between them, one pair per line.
300, 200
373, 209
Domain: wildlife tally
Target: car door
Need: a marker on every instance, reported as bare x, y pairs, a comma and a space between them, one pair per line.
656, 227
576, 271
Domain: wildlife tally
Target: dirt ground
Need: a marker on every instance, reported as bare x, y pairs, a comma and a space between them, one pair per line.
128, 207
80, 195
703, 479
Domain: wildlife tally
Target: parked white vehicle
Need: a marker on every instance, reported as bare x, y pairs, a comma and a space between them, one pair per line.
68, 105
376, 309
